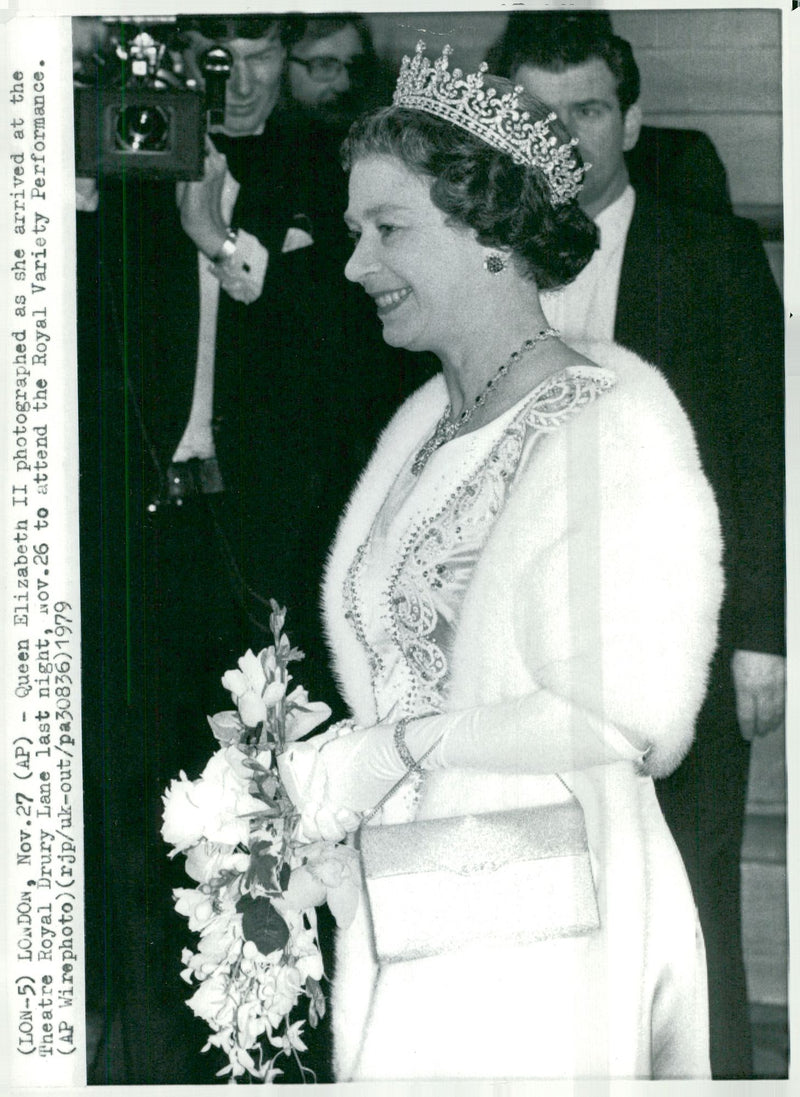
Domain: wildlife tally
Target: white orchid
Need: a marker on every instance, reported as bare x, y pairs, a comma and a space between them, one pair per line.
226, 726
207, 862
213, 1002
302, 715
330, 874
196, 906
253, 688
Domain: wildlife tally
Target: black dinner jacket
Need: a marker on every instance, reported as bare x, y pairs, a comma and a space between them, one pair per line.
698, 299
682, 166
257, 345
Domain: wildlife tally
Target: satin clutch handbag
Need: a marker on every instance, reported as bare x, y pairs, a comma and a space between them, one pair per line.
506, 877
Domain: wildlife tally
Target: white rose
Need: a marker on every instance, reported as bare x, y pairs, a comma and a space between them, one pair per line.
224, 801
183, 815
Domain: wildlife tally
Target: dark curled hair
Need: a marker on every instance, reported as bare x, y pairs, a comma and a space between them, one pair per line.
223, 27
507, 204
556, 40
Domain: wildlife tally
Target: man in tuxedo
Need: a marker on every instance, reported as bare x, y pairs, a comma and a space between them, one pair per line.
691, 292
232, 384
290, 353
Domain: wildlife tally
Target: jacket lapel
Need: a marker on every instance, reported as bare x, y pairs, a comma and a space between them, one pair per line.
648, 320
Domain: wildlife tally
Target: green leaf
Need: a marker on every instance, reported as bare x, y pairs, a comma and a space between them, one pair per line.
265, 869
227, 727
283, 876
262, 924
316, 1008
262, 867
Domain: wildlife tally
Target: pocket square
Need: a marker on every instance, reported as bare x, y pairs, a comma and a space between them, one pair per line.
296, 239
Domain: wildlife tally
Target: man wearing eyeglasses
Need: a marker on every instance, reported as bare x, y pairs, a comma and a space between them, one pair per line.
329, 69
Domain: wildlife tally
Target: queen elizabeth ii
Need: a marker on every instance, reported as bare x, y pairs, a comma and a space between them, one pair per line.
521, 604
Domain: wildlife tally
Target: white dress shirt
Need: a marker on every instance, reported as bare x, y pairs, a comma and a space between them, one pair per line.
587, 307
198, 439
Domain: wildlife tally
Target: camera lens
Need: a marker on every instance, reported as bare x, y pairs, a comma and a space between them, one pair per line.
142, 129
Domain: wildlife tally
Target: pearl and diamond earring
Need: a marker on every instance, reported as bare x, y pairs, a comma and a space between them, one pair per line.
494, 263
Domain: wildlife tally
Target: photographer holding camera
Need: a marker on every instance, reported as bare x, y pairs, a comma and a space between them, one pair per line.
219, 350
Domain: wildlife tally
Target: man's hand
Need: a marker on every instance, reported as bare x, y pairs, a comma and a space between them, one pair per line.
200, 204
760, 682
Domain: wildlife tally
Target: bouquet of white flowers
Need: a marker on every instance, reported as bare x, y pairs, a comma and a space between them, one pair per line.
259, 874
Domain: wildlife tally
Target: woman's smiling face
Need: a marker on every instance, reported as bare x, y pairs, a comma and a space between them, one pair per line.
420, 271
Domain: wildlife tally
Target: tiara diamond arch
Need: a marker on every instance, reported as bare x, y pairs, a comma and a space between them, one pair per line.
499, 120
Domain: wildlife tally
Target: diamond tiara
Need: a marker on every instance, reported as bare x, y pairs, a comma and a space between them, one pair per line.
499, 120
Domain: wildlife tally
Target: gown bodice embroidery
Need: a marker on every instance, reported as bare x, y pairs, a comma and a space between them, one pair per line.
406, 584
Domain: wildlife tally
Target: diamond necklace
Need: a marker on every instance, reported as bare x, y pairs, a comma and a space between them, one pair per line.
447, 427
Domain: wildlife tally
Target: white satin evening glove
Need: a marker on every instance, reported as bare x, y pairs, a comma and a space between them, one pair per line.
336, 777
305, 779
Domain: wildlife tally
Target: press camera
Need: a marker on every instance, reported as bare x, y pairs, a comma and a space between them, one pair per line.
137, 112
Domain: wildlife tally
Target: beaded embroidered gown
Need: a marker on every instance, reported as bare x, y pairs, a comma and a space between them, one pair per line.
491, 1010
404, 602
